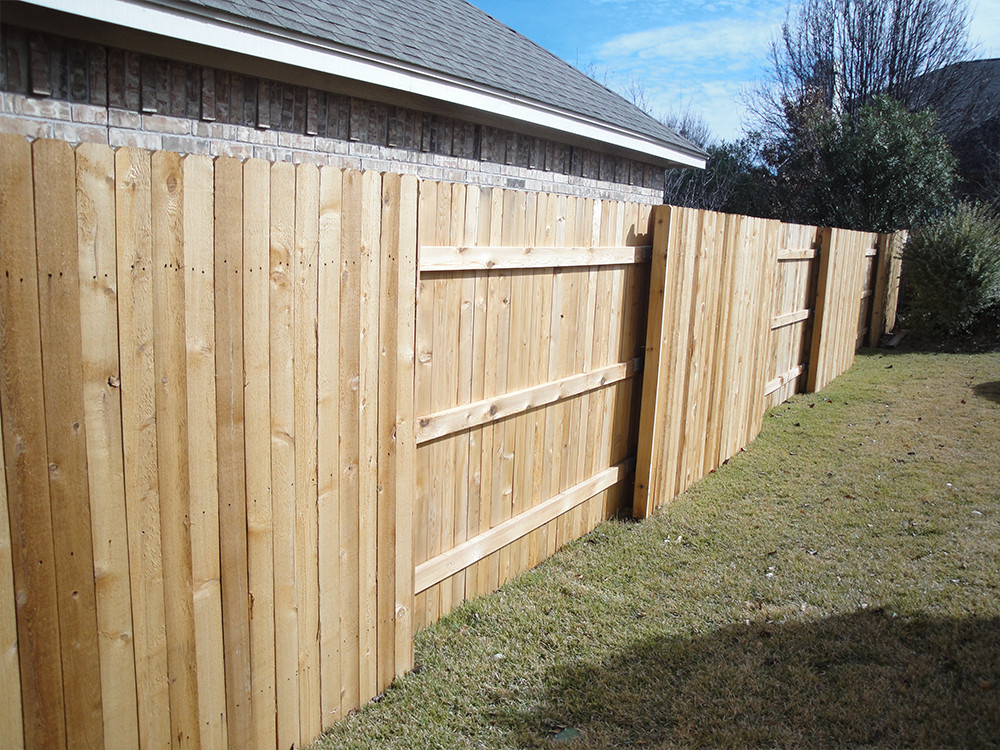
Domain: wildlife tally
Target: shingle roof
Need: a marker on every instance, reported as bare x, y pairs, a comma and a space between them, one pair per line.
977, 87
454, 38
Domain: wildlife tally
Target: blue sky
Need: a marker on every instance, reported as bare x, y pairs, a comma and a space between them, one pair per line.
697, 54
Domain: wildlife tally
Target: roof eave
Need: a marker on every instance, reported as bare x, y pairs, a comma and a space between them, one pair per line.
246, 37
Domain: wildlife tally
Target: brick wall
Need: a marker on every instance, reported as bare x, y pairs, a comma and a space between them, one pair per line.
53, 87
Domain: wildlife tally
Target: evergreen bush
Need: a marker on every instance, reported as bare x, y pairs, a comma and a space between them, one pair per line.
952, 271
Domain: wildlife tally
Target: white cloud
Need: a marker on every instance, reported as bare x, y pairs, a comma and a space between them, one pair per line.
702, 65
725, 38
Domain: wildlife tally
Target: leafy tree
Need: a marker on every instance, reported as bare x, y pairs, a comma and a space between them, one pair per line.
733, 181
882, 170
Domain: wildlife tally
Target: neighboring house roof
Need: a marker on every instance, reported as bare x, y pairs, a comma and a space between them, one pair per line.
967, 94
446, 50
970, 114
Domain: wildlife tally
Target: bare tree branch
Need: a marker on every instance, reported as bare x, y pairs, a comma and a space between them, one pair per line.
838, 54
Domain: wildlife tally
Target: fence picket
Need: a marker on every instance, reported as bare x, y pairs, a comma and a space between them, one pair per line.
349, 448
133, 204
173, 465
199, 284
305, 322
28, 498
230, 421
257, 444
328, 430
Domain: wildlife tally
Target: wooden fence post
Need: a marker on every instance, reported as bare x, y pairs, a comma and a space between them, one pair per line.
890, 257
821, 315
657, 346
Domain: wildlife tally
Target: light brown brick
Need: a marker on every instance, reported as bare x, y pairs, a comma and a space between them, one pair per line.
259, 137
123, 118
48, 108
293, 140
185, 144
231, 148
164, 124
89, 114
310, 157
271, 153
74, 132
135, 138
332, 146
26, 127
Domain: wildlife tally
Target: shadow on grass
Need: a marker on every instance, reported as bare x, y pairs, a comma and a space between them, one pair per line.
989, 391
861, 679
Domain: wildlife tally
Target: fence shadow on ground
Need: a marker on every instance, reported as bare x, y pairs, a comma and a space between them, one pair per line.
990, 391
865, 679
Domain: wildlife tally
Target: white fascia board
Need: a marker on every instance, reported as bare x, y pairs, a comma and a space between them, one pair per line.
249, 39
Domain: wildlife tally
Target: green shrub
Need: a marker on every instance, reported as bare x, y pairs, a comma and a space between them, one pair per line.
952, 270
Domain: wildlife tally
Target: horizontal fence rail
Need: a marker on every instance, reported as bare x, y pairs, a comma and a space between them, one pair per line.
489, 258
259, 421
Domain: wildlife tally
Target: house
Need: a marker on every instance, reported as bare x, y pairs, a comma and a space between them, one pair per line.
976, 141
966, 98
435, 88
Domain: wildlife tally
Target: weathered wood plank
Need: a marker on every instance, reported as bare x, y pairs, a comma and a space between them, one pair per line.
283, 449
368, 266
497, 308
791, 254
133, 207
257, 444
474, 329
97, 262
441, 567
305, 294
26, 457
424, 508
232, 485
59, 305
11, 719
169, 362
387, 489
464, 417
328, 430
350, 449
199, 286
405, 439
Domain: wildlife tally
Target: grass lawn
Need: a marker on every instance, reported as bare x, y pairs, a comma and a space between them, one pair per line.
837, 584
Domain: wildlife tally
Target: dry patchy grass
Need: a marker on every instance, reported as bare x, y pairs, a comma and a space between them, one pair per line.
834, 585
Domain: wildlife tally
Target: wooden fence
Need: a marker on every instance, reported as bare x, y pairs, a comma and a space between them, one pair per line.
250, 442
743, 314
205, 377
